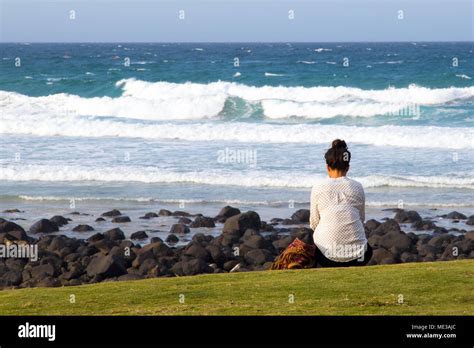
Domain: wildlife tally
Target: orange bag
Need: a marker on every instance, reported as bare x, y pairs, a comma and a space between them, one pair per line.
297, 255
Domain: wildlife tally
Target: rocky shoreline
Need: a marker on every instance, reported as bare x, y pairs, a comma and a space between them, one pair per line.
245, 244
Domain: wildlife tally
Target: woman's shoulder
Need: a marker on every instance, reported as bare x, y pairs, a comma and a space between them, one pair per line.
329, 184
318, 186
355, 184
322, 185
321, 182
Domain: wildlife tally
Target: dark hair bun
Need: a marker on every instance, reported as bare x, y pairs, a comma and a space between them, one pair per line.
339, 144
338, 156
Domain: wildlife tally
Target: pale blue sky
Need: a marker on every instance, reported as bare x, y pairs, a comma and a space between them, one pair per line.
231, 21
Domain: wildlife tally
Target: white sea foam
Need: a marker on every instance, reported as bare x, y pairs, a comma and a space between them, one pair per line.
71, 115
412, 94
146, 174
41, 124
159, 200
89, 198
463, 76
394, 204
56, 79
233, 201
319, 50
169, 107
283, 109
306, 62
164, 100
272, 74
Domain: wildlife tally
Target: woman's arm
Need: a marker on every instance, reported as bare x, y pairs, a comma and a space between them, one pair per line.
362, 206
313, 211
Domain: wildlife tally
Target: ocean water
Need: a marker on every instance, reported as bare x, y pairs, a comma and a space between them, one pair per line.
185, 127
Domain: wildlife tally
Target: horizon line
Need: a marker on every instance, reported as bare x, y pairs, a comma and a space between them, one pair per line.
228, 42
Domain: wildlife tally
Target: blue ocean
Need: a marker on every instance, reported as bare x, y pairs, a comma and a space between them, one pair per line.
199, 126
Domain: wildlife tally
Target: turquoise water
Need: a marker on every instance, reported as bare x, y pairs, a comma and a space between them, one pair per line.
182, 124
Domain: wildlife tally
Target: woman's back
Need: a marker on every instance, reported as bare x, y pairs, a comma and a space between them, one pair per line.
337, 215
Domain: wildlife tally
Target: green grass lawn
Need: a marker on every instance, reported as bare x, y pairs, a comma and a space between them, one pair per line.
435, 288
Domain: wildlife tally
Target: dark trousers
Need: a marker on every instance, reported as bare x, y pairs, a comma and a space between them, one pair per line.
323, 261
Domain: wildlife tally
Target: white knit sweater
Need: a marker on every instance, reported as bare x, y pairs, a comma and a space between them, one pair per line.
337, 214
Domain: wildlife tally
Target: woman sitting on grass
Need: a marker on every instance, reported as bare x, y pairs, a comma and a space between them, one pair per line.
337, 214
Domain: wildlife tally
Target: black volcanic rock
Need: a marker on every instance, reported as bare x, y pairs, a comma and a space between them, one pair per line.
141, 256
106, 266
59, 220
112, 213
404, 216
257, 256
42, 271
191, 267
12, 211
301, 216
302, 233
396, 242
226, 213
159, 249
8, 226
96, 237
83, 228
241, 222
179, 229
439, 230
382, 256
121, 219
10, 278
454, 215
202, 221
470, 220
184, 220
289, 222
409, 257
164, 212
180, 213
114, 234
255, 242
217, 255
197, 251
387, 226
371, 225
282, 243
172, 239
139, 235
148, 216
423, 225
44, 226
